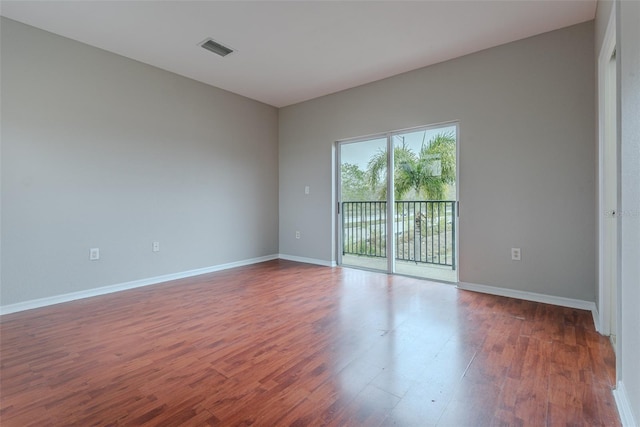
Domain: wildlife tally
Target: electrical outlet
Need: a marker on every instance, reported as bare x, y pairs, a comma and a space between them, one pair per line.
297, 234
306, 189
515, 254
94, 254
155, 246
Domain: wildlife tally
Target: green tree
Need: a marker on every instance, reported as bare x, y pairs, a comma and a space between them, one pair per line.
428, 173
435, 168
377, 171
355, 187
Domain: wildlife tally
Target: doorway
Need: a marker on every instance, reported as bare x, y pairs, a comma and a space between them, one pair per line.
397, 202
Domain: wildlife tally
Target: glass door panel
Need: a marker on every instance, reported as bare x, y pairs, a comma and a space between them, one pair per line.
363, 203
425, 202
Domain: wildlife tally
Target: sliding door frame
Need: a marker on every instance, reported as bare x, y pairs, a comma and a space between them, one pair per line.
390, 241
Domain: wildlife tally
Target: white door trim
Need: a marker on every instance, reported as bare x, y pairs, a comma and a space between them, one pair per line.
604, 292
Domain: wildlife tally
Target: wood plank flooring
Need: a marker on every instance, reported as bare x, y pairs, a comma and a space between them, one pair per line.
289, 344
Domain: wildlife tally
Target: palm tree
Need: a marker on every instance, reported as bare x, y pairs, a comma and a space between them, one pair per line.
377, 169
428, 173
436, 168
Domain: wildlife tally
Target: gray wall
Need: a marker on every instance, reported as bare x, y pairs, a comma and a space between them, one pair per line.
628, 45
527, 156
102, 151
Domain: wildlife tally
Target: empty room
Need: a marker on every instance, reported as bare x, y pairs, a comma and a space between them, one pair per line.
343, 213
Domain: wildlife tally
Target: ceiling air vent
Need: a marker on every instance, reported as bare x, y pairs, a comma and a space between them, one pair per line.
216, 47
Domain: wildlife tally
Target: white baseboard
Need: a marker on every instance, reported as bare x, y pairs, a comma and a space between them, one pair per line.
57, 299
624, 406
307, 260
532, 296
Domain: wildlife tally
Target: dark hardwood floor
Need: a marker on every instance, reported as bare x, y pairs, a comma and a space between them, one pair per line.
282, 343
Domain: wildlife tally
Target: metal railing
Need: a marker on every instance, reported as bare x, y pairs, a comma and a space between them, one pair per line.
425, 231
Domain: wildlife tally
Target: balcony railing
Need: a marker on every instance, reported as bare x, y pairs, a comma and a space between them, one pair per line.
425, 231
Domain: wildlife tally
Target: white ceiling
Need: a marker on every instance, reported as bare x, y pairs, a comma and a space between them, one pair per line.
291, 51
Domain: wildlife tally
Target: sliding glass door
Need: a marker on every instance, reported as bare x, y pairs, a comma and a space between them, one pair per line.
397, 197
363, 203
